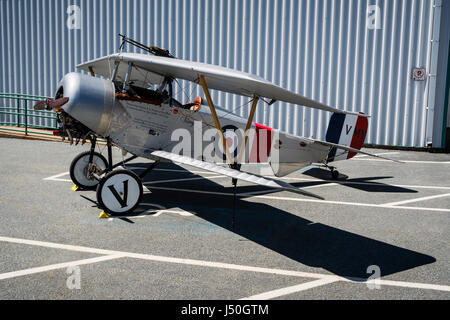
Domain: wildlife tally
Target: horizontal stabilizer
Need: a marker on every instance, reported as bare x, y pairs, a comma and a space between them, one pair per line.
349, 149
232, 173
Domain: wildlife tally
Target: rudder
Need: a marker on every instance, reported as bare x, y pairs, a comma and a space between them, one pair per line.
348, 130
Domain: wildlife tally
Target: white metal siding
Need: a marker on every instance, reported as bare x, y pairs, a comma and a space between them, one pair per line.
320, 49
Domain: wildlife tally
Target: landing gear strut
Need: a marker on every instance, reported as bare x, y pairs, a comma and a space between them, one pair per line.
118, 191
334, 172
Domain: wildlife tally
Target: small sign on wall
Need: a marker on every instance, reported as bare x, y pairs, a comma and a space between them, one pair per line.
419, 74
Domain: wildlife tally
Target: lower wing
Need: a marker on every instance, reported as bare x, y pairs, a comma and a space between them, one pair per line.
267, 182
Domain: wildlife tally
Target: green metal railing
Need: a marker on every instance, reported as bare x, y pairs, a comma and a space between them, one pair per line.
21, 108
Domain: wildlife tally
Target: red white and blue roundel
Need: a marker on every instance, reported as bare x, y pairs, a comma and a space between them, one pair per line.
348, 130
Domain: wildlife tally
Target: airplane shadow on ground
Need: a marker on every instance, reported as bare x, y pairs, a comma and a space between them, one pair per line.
340, 252
364, 184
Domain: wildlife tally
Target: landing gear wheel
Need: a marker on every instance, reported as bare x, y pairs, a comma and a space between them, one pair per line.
80, 173
335, 174
119, 192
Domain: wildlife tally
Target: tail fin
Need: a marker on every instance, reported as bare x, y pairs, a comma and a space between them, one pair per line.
348, 130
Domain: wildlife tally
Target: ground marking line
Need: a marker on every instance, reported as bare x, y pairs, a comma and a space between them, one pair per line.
376, 154
292, 289
255, 195
366, 183
414, 285
220, 265
54, 177
303, 199
417, 199
194, 191
25, 272
57, 176
405, 161
167, 259
183, 213
144, 214
55, 245
183, 179
171, 170
328, 182
158, 212
352, 203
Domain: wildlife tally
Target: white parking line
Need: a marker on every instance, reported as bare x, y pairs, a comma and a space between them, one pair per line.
56, 176
405, 161
57, 179
417, 199
112, 254
326, 182
201, 263
253, 193
353, 203
157, 213
415, 285
377, 184
256, 194
183, 179
321, 185
293, 289
180, 212
172, 170
25, 272
303, 200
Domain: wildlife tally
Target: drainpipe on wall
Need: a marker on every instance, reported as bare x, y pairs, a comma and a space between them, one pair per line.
432, 72
444, 57
446, 125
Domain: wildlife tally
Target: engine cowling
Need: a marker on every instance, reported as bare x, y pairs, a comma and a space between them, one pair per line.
91, 100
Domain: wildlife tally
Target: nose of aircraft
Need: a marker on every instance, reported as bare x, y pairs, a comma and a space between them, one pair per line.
87, 99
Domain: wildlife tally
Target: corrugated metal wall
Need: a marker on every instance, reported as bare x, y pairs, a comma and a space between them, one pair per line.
326, 50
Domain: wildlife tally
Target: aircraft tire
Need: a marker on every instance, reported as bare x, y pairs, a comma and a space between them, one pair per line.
79, 166
119, 192
335, 174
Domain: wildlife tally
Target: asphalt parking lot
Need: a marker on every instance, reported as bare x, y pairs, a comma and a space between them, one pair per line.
181, 243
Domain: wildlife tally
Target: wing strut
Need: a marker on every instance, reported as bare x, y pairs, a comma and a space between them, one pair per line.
91, 71
248, 126
216, 119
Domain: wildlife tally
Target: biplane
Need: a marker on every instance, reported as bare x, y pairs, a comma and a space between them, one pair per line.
128, 100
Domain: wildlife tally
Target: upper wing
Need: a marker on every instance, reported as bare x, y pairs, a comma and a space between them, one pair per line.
339, 146
217, 77
232, 173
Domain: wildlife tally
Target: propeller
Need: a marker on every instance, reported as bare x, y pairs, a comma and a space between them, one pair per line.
50, 104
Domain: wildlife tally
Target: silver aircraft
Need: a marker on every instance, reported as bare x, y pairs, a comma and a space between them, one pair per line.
128, 100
